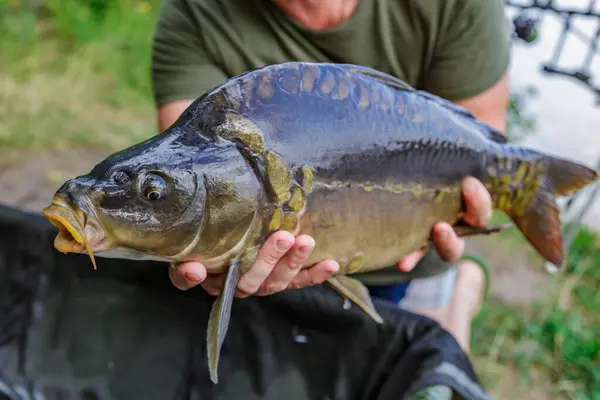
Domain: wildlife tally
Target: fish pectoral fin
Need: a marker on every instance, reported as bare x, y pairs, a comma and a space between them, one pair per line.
463, 230
357, 293
218, 321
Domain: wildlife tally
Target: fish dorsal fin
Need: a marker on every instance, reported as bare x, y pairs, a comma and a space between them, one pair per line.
496, 136
382, 77
489, 131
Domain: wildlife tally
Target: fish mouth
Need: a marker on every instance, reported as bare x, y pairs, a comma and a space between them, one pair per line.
78, 232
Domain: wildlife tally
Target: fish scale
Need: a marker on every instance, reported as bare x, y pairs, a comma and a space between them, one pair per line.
355, 158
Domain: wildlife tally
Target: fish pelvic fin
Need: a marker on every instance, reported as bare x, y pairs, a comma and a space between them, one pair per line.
532, 205
218, 321
357, 293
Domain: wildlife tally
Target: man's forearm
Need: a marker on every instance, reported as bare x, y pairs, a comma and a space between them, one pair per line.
168, 113
490, 106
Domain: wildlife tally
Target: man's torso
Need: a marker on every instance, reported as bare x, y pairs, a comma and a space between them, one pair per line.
200, 43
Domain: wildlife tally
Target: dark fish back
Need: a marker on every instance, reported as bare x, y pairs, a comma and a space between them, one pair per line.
346, 120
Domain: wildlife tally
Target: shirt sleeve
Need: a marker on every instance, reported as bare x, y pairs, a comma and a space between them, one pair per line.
181, 68
472, 52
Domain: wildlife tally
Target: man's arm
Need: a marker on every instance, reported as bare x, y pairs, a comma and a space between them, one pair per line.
168, 113
490, 105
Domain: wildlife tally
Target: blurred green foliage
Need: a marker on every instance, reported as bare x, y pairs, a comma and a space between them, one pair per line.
119, 31
76, 72
520, 122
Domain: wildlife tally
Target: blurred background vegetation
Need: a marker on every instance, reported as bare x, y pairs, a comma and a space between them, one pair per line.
75, 73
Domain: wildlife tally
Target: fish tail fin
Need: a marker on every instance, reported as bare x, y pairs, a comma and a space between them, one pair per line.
534, 209
567, 177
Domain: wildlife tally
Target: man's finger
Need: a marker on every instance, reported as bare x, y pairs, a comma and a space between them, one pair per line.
410, 261
213, 284
187, 275
315, 274
288, 267
478, 202
447, 244
268, 256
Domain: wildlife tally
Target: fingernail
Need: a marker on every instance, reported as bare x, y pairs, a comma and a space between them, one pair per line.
335, 267
283, 244
444, 234
192, 277
304, 250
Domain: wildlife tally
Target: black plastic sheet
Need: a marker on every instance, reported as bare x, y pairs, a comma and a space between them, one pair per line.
124, 332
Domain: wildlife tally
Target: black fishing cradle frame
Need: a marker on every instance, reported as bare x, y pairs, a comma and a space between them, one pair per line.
525, 29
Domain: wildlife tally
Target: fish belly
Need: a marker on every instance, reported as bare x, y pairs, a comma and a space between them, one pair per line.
366, 227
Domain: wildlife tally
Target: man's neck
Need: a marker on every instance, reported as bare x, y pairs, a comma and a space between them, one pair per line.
318, 14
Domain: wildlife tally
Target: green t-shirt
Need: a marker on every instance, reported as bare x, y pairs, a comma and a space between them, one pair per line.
452, 48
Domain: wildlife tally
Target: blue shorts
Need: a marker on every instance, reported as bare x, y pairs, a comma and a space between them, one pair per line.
430, 292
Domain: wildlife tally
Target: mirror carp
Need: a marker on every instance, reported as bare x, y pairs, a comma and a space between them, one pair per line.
356, 158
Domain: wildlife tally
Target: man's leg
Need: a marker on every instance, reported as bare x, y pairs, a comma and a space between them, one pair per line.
466, 281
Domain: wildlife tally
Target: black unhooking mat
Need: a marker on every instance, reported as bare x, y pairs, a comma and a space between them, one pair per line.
124, 332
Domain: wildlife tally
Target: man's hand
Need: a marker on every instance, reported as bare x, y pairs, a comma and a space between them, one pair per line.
279, 262
277, 267
448, 245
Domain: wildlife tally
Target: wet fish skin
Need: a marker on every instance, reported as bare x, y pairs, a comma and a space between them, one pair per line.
372, 139
351, 156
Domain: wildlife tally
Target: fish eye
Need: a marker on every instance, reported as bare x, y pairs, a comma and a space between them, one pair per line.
154, 188
153, 195
120, 177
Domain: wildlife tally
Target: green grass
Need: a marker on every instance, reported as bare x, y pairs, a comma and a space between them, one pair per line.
76, 73
554, 342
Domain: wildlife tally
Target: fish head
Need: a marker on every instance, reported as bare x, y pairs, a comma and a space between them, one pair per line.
142, 202
174, 197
